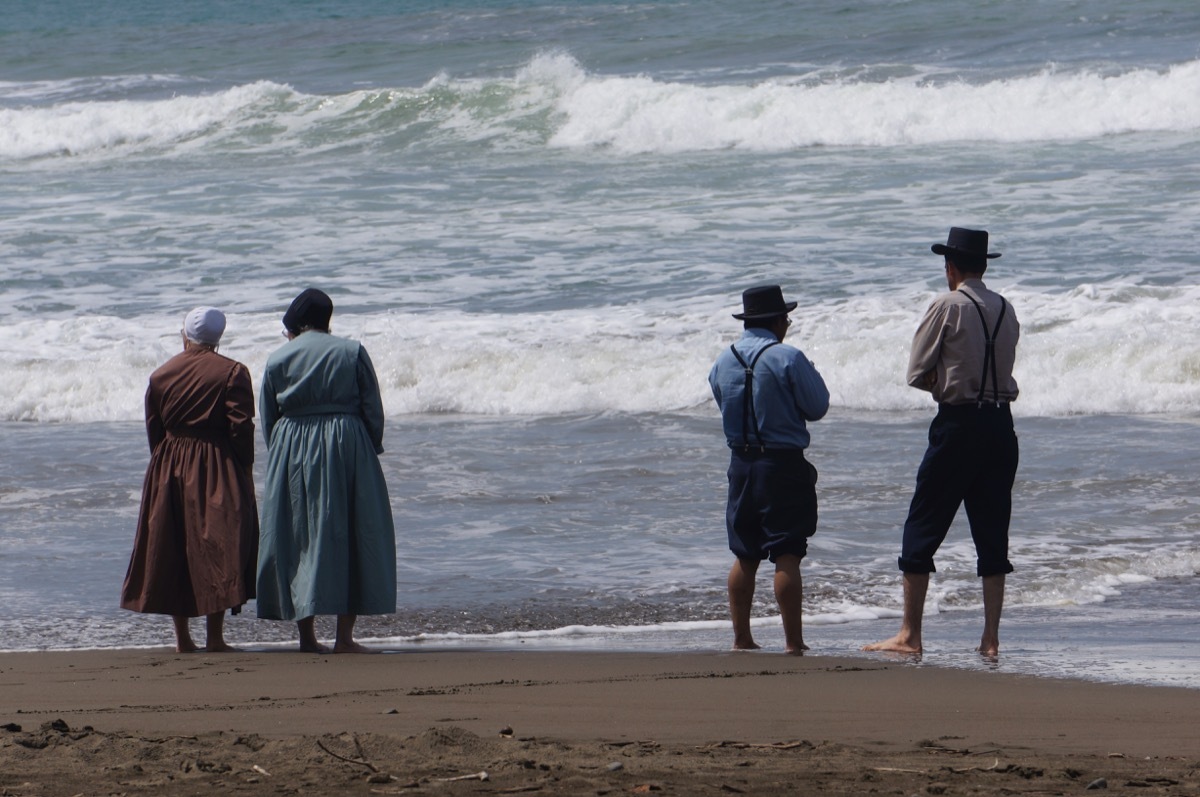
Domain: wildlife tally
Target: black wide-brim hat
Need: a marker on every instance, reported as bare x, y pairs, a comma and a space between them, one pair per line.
765, 301
972, 244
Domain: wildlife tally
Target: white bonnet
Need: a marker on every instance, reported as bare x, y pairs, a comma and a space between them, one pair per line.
204, 325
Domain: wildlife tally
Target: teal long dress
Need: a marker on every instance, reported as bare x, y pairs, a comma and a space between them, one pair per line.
328, 544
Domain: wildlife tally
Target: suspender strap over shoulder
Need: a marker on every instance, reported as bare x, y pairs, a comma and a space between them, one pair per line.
749, 416
989, 355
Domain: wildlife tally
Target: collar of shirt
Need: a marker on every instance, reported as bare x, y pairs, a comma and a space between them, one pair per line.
765, 335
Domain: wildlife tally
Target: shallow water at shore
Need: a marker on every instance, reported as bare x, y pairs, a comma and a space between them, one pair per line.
606, 532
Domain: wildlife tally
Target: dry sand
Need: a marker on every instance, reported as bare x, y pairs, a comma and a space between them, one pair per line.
587, 723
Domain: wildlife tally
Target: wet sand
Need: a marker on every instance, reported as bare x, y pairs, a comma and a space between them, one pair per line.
423, 722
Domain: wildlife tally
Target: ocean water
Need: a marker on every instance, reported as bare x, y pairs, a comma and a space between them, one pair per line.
538, 217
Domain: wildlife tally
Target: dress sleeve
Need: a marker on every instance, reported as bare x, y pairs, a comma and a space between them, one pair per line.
155, 431
268, 410
239, 409
370, 402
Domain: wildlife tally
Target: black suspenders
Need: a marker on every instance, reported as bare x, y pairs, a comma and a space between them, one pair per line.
989, 356
749, 416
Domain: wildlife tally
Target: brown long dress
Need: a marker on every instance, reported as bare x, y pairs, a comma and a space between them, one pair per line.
197, 535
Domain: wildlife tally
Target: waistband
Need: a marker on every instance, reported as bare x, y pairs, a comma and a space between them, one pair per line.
322, 409
974, 407
193, 434
754, 452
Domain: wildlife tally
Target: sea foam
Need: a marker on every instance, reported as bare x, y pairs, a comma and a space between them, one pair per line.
1091, 350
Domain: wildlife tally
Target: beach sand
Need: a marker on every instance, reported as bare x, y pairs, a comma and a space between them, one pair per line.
430, 722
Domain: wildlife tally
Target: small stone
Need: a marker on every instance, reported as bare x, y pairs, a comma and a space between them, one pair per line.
506, 731
1098, 783
615, 766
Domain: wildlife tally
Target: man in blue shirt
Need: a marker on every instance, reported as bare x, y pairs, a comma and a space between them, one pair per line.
767, 391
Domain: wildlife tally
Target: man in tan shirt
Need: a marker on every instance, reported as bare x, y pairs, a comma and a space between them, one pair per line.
962, 353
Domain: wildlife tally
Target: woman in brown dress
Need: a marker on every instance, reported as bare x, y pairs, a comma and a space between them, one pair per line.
197, 534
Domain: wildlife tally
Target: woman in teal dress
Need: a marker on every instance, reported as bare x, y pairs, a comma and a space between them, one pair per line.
328, 544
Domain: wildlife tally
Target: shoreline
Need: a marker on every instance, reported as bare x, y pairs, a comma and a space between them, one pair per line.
1077, 645
676, 721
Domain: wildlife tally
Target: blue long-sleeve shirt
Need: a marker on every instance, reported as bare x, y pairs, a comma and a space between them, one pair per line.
788, 391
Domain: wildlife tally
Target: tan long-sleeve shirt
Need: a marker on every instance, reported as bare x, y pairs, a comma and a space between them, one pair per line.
948, 350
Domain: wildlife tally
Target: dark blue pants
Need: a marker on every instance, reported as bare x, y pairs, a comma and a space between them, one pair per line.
971, 460
772, 508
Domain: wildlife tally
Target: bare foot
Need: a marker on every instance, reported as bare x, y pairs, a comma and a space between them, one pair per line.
796, 651
900, 643
183, 635
221, 647
751, 645
989, 648
314, 647
352, 647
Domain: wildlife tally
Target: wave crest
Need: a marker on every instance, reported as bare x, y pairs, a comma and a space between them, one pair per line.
552, 101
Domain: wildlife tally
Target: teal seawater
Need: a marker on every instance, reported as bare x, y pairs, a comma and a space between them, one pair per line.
538, 218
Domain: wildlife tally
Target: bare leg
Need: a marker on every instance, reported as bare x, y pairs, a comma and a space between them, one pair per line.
789, 593
741, 598
909, 638
993, 602
183, 635
215, 628
308, 637
345, 636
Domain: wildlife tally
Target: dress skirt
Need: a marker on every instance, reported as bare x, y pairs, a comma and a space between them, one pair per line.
328, 543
